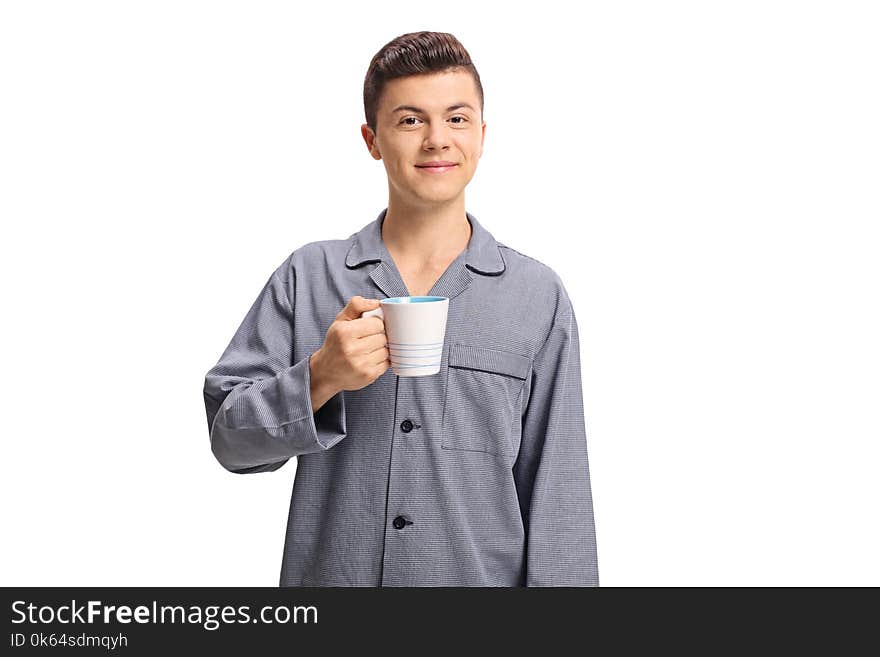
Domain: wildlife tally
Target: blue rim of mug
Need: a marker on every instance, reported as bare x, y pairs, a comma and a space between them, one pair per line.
405, 300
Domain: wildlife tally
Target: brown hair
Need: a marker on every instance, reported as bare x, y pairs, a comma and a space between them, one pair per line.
415, 53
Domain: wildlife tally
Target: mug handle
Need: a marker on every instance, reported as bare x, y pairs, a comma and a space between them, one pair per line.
376, 312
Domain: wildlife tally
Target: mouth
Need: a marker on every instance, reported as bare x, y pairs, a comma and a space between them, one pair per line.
442, 168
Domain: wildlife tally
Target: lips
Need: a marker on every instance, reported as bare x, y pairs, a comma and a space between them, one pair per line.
437, 167
437, 163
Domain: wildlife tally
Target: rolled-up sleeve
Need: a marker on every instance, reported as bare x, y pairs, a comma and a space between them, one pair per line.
552, 470
258, 401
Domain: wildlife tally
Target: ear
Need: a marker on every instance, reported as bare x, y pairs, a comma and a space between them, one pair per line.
483, 139
370, 139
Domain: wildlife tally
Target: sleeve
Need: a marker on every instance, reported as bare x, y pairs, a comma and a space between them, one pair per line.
552, 470
258, 401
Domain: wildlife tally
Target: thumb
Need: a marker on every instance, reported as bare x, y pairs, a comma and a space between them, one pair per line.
355, 306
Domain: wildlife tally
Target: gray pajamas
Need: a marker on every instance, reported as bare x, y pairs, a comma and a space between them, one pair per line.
476, 476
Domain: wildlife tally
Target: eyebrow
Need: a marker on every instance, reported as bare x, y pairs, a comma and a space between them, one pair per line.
410, 108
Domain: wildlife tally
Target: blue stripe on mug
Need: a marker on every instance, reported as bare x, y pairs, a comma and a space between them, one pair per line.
402, 361
418, 353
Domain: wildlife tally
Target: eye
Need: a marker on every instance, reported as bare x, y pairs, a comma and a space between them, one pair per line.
403, 121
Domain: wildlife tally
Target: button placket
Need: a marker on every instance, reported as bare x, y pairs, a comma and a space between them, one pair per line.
398, 540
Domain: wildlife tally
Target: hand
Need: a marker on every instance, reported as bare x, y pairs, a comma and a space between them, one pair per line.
354, 353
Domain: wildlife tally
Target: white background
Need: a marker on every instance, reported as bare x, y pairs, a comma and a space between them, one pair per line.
703, 177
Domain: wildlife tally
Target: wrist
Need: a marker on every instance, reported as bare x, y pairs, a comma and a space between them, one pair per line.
320, 389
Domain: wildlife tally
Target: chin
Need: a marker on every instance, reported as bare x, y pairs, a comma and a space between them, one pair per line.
441, 197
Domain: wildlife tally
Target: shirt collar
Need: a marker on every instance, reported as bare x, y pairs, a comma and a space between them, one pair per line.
482, 254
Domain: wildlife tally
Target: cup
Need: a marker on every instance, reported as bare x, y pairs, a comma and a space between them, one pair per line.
415, 328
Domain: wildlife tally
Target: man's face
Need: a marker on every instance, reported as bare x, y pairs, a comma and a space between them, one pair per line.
406, 137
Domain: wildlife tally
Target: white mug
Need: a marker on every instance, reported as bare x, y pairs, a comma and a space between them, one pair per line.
415, 328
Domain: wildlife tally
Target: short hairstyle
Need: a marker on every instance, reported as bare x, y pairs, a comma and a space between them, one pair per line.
415, 53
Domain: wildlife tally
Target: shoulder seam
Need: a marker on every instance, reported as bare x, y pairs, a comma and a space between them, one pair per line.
535, 260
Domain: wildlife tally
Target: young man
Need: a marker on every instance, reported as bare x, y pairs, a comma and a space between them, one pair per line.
476, 476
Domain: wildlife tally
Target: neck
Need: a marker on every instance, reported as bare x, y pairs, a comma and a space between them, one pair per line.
421, 236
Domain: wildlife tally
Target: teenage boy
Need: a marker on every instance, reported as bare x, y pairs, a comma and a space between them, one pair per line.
476, 476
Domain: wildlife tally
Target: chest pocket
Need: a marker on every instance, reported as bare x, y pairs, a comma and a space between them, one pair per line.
483, 388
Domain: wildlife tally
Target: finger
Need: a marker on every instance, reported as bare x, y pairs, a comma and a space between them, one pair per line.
371, 343
366, 326
378, 355
356, 306
381, 358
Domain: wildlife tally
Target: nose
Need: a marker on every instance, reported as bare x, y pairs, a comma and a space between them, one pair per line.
437, 138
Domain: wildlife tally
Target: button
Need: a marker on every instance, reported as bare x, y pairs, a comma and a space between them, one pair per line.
406, 425
400, 522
